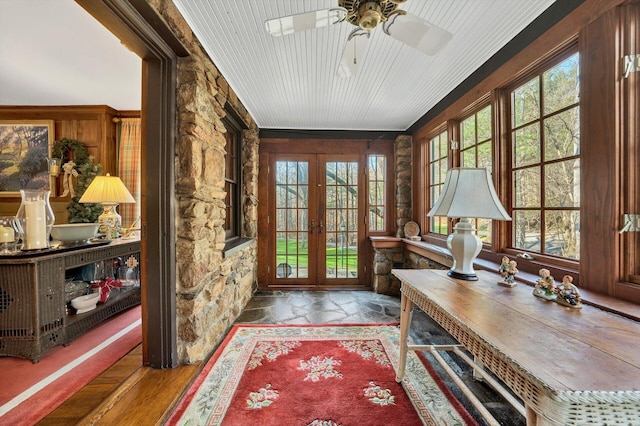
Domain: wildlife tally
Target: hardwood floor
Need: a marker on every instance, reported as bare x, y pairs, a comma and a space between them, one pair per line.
127, 393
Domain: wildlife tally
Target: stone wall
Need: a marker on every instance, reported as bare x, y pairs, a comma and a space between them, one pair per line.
403, 172
385, 259
415, 261
212, 288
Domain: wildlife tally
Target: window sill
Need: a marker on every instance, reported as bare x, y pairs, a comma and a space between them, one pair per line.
385, 242
442, 255
236, 245
431, 251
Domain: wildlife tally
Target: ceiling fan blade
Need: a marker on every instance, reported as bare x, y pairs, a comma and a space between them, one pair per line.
305, 21
417, 33
353, 53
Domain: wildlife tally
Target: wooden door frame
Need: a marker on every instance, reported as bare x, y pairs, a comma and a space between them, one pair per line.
322, 142
137, 25
317, 194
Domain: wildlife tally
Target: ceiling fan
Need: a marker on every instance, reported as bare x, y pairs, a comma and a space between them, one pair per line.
365, 15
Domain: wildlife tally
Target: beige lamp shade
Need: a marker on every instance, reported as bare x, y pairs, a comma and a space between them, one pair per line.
469, 192
107, 189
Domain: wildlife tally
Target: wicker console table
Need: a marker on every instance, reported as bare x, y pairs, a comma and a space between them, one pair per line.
569, 366
33, 311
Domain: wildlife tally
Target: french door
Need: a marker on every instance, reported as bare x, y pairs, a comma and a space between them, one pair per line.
316, 220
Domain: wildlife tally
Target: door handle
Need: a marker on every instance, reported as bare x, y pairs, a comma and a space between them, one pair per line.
320, 226
312, 226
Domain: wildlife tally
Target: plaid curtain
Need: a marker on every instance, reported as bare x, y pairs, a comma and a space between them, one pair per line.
129, 168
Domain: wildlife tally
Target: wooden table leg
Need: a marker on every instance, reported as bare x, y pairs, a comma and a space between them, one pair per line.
406, 306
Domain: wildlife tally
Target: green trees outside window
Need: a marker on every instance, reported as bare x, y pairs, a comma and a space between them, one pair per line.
545, 141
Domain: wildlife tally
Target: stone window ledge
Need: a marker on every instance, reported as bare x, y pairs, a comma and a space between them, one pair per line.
236, 245
385, 242
430, 251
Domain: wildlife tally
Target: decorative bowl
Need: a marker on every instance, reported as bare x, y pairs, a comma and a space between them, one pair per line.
85, 303
74, 232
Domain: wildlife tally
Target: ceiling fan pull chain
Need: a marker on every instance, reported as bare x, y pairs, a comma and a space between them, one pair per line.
355, 51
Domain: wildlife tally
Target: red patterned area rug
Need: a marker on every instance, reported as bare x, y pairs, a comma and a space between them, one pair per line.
316, 375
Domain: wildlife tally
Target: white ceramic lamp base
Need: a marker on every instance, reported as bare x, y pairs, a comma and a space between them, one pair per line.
465, 247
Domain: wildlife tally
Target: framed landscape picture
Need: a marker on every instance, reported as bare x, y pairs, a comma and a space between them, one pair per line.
25, 146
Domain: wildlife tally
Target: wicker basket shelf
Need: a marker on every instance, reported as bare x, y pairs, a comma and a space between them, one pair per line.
33, 310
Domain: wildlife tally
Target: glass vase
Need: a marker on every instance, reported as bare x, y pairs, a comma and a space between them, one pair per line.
35, 219
8, 234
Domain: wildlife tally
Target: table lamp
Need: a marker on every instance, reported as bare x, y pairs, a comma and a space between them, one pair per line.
109, 191
468, 193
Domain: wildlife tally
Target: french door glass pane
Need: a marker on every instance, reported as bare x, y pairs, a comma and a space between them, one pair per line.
341, 219
292, 236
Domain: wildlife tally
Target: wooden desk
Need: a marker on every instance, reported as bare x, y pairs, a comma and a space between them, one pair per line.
569, 366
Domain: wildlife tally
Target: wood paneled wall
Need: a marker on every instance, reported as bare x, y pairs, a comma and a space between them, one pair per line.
91, 124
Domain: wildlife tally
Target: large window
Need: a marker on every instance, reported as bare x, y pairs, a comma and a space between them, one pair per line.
438, 166
377, 173
232, 178
476, 151
545, 141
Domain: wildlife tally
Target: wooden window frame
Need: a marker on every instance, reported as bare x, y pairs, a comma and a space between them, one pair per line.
233, 178
473, 112
387, 181
429, 162
385, 149
628, 36
609, 110
536, 70
499, 99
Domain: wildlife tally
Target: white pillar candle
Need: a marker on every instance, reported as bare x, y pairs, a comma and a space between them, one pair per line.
55, 170
7, 235
36, 232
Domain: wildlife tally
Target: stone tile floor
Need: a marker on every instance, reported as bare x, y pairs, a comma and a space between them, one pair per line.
341, 307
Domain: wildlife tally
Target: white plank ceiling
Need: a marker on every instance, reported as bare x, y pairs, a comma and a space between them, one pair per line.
290, 82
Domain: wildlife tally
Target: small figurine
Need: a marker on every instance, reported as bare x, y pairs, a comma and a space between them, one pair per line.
545, 286
504, 267
568, 294
508, 271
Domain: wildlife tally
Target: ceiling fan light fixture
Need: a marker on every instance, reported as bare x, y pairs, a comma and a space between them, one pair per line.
304, 21
370, 15
398, 1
